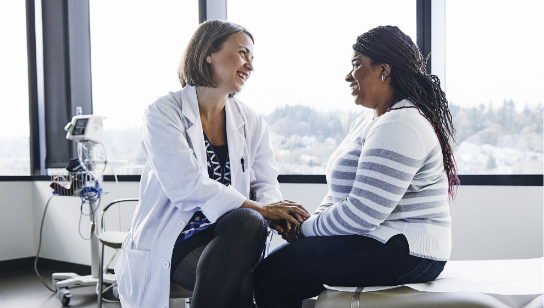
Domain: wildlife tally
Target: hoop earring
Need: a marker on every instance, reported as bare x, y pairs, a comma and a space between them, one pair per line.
383, 78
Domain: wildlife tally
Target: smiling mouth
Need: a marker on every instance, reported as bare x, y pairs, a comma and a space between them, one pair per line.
243, 76
354, 87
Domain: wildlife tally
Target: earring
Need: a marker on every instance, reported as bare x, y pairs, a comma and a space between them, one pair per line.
383, 78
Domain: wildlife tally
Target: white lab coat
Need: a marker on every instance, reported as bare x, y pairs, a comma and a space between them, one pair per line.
175, 184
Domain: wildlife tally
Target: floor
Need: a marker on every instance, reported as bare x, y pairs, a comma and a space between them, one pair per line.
21, 288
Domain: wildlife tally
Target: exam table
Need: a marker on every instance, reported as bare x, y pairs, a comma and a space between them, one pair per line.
491, 283
406, 297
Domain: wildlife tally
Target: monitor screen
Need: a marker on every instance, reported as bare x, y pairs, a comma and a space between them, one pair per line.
81, 123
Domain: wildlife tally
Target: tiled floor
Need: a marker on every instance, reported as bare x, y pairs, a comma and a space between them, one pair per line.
21, 288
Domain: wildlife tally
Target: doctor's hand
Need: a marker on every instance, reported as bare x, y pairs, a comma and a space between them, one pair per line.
284, 227
281, 226
290, 211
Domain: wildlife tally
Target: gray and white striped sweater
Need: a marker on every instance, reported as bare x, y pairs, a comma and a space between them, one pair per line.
386, 178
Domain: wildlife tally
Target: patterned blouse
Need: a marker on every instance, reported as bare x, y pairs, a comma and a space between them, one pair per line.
219, 170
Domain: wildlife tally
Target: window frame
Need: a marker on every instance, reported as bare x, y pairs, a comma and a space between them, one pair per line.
430, 24
36, 145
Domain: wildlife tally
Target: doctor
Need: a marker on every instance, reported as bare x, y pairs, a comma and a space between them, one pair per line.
195, 224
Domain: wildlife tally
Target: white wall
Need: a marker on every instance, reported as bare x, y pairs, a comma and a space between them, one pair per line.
16, 220
489, 222
60, 238
494, 222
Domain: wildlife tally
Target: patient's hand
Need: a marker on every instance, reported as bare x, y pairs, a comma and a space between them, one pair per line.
289, 237
284, 226
281, 226
286, 232
275, 225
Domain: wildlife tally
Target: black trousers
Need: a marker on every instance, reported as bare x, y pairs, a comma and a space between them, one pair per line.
297, 271
216, 263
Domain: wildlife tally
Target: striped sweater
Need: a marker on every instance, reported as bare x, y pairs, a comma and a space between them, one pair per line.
386, 178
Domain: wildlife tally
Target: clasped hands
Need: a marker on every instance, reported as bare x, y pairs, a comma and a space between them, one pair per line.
285, 216
288, 226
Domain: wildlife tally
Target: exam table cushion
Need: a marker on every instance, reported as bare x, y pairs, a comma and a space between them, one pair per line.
113, 239
482, 283
405, 297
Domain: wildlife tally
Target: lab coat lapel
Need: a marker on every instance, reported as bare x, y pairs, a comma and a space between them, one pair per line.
189, 110
237, 143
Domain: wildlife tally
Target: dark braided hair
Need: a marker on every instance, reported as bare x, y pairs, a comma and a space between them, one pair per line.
409, 80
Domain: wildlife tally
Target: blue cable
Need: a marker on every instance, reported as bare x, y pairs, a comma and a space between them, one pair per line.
89, 195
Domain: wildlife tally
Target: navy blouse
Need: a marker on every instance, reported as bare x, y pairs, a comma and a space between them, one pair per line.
219, 170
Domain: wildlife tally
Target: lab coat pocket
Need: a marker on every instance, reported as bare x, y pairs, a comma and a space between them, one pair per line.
120, 265
132, 286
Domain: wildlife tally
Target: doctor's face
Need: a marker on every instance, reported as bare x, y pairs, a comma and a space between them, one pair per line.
232, 65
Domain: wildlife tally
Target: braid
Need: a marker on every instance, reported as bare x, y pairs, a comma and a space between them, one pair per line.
388, 44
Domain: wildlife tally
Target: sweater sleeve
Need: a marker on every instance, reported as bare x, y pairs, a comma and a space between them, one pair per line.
385, 166
325, 204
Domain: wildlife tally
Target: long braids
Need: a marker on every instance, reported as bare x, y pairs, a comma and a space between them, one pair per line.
389, 45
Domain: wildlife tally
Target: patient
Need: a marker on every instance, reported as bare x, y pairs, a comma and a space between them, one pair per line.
385, 220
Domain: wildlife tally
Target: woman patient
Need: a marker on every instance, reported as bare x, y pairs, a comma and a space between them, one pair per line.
385, 220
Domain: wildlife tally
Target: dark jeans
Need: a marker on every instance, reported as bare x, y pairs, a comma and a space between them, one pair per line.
298, 271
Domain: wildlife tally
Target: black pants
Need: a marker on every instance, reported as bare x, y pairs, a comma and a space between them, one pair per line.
298, 271
216, 263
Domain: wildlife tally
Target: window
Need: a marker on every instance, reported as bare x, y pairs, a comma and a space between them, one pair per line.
14, 128
302, 55
136, 47
493, 75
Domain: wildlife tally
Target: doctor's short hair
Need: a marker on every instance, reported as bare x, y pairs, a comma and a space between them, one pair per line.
208, 38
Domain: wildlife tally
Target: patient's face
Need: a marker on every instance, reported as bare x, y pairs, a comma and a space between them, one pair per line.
365, 81
231, 66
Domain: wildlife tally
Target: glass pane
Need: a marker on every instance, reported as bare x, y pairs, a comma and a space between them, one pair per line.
493, 75
14, 128
136, 47
302, 55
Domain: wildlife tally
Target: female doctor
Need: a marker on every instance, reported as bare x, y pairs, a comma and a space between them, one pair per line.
195, 224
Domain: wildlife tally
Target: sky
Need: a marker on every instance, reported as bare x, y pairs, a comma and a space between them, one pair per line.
302, 53
13, 70
494, 52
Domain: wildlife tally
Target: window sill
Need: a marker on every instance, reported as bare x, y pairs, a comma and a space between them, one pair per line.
466, 180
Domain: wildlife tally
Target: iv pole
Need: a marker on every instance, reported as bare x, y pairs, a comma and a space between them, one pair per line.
63, 281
